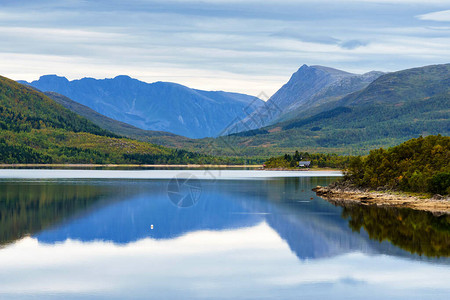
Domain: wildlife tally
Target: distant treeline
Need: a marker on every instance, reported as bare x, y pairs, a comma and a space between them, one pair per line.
320, 160
417, 165
96, 153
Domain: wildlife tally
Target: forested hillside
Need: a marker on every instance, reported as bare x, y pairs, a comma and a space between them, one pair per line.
418, 165
23, 109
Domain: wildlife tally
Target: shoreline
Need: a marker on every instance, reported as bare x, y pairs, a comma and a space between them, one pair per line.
193, 166
301, 169
210, 174
342, 197
123, 166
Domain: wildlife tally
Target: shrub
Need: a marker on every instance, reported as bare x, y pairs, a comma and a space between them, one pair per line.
440, 183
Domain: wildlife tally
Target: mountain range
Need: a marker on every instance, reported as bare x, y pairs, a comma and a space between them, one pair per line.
319, 110
159, 106
170, 107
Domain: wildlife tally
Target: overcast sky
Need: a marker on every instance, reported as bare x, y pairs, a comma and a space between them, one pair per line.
244, 46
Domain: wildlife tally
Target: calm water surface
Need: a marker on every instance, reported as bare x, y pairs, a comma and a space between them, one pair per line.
242, 238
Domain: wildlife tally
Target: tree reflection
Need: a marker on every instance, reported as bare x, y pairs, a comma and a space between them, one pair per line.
415, 231
29, 208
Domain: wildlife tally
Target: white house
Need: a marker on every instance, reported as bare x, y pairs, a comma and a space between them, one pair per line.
304, 164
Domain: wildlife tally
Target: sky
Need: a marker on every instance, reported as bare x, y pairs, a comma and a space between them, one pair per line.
244, 46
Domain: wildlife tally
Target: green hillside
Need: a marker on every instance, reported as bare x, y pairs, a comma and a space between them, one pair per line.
403, 86
418, 165
394, 108
23, 109
36, 129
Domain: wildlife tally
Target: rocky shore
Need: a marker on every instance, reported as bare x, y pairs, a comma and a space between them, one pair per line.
345, 194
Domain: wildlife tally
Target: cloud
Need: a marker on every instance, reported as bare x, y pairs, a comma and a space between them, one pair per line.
72, 269
439, 16
301, 36
240, 46
353, 44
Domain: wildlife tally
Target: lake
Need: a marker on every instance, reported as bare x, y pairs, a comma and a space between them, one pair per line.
78, 234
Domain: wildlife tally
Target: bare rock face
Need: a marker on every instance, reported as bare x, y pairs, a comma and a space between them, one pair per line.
439, 197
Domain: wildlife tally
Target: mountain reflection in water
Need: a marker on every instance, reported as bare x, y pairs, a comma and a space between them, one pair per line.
123, 211
243, 239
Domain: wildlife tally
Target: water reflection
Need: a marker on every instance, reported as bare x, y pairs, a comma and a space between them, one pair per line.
29, 207
123, 211
251, 239
415, 231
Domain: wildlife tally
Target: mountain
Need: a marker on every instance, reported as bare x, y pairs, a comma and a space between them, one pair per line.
117, 127
330, 95
159, 106
394, 108
308, 88
36, 129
